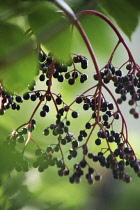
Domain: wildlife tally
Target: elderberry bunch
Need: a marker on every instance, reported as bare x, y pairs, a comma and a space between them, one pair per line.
92, 127
60, 69
127, 85
8, 101
103, 115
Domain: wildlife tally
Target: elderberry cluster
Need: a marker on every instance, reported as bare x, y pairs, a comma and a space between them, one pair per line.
60, 69
114, 150
128, 84
8, 101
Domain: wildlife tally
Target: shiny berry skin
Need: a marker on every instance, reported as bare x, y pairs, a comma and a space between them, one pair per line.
19, 99
86, 106
75, 144
42, 113
33, 121
83, 163
67, 75
46, 108
129, 66
79, 100
60, 78
48, 97
118, 72
110, 106
90, 170
74, 114
98, 141
98, 177
41, 57
71, 81
26, 96
111, 139
83, 78
105, 117
68, 123
84, 63
42, 77
58, 100
33, 97
88, 125
75, 74
76, 59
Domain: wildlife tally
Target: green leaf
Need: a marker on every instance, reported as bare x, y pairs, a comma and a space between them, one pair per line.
51, 29
9, 3
135, 3
17, 60
125, 14
7, 157
19, 75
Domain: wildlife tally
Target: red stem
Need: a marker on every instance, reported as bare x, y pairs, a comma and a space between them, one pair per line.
123, 120
92, 12
89, 46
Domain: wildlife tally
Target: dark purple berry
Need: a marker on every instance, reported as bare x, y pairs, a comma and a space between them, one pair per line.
42, 113
46, 108
33, 97
26, 96
88, 125
19, 99
60, 78
71, 81
79, 100
98, 141
74, 114
42, 77
58, 101
110, 106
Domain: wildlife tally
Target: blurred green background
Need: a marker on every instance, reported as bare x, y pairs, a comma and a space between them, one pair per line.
48, 191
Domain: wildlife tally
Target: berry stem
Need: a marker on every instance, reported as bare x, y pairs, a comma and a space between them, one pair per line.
84, 93
89, 47
73, 17
123, 120
36, 108
112, 54
99, 103
92, 12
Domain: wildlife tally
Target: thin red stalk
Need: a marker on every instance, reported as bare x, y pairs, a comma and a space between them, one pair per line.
92, 12
38, 106
94, 125
112, 54
75, 21
102, 128
123, 120
83, 94
54, 102
47, 91
99, 103
21, 126
89, 47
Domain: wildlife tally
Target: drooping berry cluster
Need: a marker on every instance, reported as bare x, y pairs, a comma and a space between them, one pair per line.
103, 115
97, 127
8, 100
127, 86
61, 69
